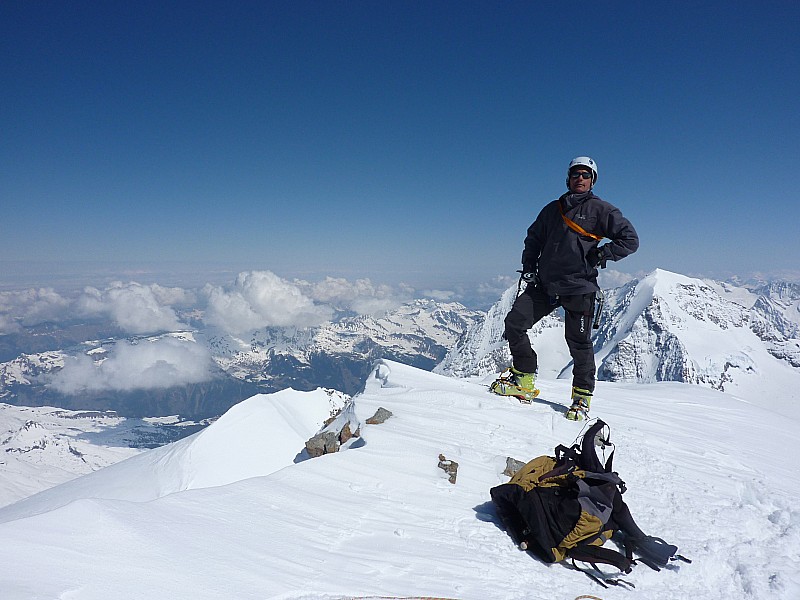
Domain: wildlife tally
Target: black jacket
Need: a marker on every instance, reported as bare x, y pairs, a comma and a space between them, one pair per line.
559, 254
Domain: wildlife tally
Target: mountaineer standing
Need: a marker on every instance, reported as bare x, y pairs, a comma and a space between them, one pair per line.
559, 264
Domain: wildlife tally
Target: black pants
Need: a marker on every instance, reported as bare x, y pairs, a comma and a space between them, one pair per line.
533, 305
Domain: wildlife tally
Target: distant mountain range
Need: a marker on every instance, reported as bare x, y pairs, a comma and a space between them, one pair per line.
663, 327
340, 354
336, 355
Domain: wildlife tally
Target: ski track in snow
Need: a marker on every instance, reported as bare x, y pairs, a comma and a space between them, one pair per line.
704, 470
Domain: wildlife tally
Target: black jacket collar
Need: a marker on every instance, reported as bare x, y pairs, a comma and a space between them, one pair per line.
570, 200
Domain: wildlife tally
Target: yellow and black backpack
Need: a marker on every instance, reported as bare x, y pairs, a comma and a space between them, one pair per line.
567, 506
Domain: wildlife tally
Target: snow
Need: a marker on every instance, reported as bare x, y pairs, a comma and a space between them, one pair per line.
18, 370
235, 512
42, 447
726, 353
256, 437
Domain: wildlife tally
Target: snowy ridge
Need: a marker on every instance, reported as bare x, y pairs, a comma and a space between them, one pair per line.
382, 519
256, 437
481, 347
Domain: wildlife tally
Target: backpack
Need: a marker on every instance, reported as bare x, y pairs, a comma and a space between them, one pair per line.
568, 506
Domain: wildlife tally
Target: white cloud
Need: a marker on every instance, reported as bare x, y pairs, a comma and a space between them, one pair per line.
255, 300
609, 278
261, 299
439, 295
173, 296
134, 307
161, 363
332, 290
361, 296
30, 307
495, 287
8, 325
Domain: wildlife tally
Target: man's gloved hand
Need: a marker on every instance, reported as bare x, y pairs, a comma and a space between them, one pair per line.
530, 277
597, 256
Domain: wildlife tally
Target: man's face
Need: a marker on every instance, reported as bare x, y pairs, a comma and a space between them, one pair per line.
580, 180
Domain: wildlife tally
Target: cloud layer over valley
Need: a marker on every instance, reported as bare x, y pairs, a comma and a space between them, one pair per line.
160, 363
254, 300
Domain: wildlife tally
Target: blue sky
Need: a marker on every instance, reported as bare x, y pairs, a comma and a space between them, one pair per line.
404, 141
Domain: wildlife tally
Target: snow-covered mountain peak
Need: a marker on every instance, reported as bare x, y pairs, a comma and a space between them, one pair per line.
483, 350
687, 302
272, 427
669, 327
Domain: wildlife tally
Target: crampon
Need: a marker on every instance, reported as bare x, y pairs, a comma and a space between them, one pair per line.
506, 385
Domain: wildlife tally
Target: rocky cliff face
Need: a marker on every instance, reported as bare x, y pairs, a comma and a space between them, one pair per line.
775, 318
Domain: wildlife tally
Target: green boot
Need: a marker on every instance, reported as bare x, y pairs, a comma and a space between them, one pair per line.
516, 383
581, 400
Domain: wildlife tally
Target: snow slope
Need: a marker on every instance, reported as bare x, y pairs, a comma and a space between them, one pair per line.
704, 469
43, 446
256, 437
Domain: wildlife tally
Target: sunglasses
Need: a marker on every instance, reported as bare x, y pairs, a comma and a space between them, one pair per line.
581, 174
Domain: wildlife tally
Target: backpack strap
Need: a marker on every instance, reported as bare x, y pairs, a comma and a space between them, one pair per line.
610, 465
653, 551
597, 554
566, 455
566, 462
589, 460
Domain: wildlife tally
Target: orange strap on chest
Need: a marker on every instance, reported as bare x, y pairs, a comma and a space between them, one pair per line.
575, 227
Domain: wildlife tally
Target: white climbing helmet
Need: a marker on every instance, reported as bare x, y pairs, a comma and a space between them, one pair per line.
583, 161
